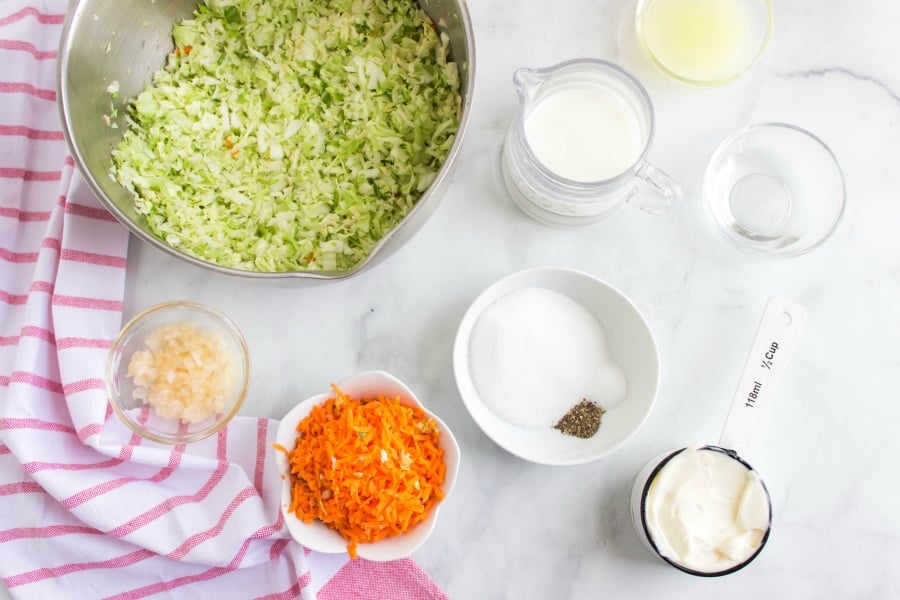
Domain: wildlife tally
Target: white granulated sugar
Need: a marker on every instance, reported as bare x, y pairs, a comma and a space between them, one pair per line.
535, 353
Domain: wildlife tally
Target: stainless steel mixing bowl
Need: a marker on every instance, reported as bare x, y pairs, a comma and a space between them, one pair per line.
128, 40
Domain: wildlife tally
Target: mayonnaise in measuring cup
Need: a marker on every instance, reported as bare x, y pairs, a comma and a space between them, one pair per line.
706, 511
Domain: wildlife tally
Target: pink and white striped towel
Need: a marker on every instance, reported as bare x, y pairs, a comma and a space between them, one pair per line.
87, 509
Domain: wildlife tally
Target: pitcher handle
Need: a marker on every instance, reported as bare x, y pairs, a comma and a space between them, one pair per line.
664, 191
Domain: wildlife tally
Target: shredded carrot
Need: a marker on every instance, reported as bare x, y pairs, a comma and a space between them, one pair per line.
368, 468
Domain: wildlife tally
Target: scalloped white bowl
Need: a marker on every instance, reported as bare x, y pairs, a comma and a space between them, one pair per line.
316, 535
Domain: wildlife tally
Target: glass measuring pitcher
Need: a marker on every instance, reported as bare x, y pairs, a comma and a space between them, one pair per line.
577, 148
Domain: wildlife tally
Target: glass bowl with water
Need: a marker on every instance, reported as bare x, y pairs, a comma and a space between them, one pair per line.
775, 189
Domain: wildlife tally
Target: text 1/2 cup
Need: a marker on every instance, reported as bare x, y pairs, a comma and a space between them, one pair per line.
577, 148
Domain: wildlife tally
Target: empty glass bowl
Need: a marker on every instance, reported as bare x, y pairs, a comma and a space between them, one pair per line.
205, 337
775, 189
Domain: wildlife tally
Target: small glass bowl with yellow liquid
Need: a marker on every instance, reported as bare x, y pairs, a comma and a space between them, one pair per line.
704, 42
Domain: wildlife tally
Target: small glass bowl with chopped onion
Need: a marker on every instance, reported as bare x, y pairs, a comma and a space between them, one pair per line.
177, 372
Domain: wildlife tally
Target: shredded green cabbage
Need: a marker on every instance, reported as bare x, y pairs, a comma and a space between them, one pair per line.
286, 135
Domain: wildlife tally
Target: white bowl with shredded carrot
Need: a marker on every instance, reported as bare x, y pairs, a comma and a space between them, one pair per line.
365, 469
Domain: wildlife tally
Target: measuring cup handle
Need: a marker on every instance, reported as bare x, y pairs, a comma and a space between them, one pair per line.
773, 345
664, 191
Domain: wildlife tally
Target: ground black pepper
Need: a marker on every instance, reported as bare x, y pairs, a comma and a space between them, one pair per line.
582, 420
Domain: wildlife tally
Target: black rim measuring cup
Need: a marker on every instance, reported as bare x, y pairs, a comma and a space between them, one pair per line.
776, 337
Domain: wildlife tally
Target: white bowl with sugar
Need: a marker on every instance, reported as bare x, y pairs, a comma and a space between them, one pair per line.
536, 343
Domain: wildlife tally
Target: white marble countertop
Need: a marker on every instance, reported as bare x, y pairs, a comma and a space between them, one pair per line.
826, 449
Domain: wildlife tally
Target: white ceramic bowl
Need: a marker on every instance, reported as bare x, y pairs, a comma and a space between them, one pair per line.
631, 345
316, 535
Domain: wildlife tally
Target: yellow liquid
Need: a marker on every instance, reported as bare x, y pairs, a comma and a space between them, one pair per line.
702, 40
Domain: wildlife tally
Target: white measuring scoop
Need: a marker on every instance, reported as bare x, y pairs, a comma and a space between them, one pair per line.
777, 334
776, 337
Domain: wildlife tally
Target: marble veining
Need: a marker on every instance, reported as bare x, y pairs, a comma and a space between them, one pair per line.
842, 71
828, 446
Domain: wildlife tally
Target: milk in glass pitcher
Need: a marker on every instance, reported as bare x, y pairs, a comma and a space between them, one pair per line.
577, 148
